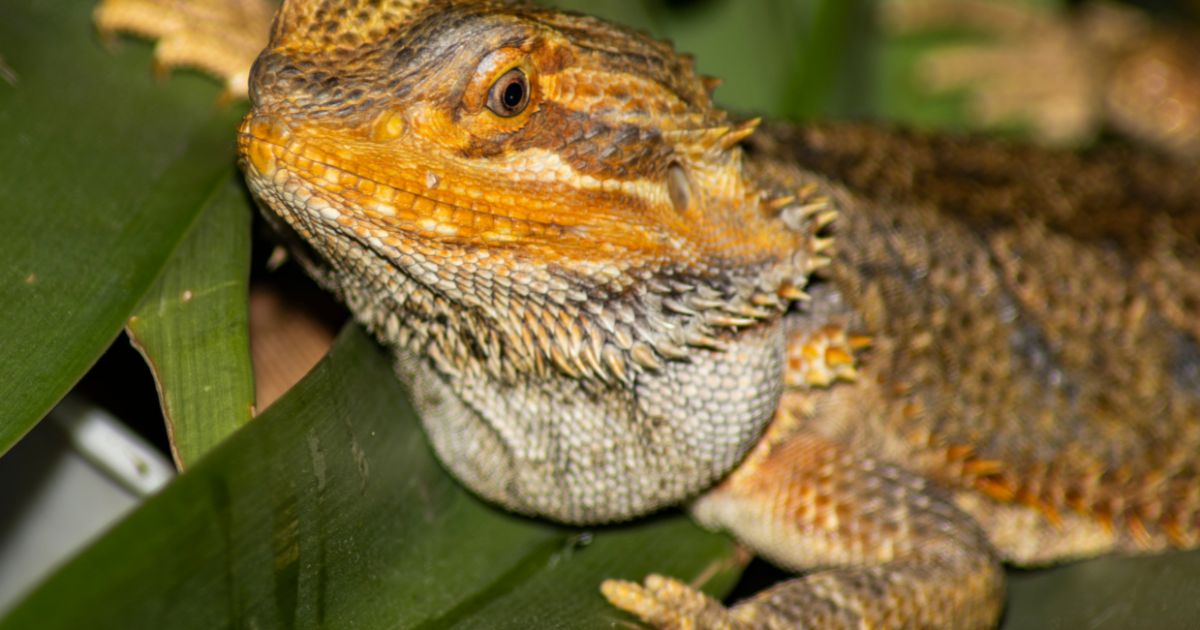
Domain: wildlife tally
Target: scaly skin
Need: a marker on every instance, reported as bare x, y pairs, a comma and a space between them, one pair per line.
598, 299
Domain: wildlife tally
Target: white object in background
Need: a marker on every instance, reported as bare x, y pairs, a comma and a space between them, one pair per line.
75, 475
113, 447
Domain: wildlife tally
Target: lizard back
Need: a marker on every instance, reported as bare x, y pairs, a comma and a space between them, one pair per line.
1037, 324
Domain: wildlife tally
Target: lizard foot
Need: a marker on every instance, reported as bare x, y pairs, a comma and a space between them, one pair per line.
894, 551
665, 602
219, 37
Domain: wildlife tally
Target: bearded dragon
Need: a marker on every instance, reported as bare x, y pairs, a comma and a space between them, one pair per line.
889, 361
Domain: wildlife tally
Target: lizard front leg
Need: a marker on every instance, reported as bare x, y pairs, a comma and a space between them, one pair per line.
893, 549
899, 553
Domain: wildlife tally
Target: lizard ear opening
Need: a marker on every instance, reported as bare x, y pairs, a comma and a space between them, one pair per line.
678, 187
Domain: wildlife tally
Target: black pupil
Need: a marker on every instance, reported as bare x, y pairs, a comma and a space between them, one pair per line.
514, 93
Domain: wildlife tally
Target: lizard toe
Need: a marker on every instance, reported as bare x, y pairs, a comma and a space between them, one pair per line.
665, 602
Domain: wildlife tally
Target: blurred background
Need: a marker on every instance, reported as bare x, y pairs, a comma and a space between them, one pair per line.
1046, 70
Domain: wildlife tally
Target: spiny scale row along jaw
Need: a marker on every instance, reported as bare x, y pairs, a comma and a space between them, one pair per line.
520, 196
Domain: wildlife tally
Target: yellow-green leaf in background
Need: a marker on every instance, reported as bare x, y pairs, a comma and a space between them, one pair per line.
192, 327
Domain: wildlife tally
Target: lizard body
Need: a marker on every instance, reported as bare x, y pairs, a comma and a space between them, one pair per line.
608, 297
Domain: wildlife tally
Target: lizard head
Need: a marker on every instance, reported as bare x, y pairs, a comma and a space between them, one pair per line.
527, 196
525, 131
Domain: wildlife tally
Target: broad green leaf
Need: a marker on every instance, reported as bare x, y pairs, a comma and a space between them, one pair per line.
329, 510
191, 327
101, 172
1111, 593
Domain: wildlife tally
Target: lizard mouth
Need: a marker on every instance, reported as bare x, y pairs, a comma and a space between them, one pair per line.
408, 193
338, 185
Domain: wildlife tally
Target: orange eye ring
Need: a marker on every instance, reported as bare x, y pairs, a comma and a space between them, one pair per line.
509, 95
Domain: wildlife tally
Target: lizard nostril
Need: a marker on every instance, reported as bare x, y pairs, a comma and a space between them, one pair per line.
678, 187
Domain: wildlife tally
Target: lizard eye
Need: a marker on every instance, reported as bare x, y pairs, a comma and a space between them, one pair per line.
509, 95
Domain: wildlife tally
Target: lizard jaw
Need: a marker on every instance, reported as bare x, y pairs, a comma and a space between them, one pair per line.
316, 181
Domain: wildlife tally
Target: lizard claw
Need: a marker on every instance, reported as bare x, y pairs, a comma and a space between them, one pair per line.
665, 602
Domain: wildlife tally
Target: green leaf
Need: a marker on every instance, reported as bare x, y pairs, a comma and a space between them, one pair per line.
1107, 593
191, 327
829, 69
103, 171
329, 509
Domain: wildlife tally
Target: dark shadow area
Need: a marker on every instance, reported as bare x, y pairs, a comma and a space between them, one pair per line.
758, 576
121, 383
